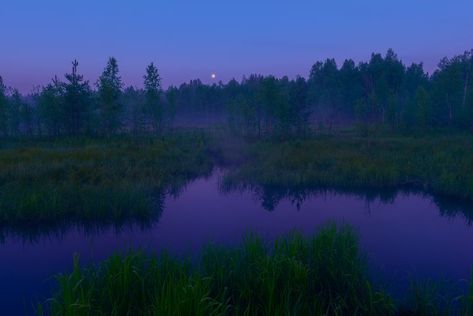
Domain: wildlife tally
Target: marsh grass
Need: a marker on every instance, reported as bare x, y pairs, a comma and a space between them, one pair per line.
295, 275
468, 300
430, 298
321, 275
440, 165
49, 182
84, 181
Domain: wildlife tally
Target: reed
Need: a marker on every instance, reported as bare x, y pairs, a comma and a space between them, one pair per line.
320, 275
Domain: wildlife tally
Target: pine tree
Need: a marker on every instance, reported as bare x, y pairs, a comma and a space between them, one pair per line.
109, 90
153, 106
76, 102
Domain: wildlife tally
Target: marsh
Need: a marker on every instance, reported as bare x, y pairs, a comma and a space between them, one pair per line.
204, 191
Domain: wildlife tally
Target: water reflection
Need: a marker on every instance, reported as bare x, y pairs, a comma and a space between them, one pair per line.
405, 235
271, 195
453, 207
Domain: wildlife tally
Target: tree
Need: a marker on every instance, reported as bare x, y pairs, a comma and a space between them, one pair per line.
467, 99
416, 111
13, 114
300, 113
382, 82
423, 110
241, 116
153, 106
351, 88
450, 86
51, 107
76, 102
254, 107
109, 91
133, 100
272, 103
3, 109
171, 98
325, 90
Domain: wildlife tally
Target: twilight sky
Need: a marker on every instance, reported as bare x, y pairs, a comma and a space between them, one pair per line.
192, 39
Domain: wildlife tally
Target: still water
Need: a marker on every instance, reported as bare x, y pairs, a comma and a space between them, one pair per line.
408, 236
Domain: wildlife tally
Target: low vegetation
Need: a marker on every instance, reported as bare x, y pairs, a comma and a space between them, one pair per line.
49, 184
320, 275
324, 274
439, 165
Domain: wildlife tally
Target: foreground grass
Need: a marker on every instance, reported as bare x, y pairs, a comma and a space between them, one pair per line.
322, 275
114, 180
440, 165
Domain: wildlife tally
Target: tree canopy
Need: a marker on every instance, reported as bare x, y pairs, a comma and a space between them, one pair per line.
381, 91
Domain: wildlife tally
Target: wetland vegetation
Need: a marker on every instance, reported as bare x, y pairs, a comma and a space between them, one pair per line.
50, 183
325, 274
46, 185
436, 164
74, 156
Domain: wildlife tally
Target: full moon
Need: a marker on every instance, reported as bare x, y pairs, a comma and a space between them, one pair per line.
213, 76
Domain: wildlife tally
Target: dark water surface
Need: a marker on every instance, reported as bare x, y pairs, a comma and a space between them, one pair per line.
408, 237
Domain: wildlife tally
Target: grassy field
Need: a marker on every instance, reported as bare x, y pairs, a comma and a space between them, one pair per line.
320, 275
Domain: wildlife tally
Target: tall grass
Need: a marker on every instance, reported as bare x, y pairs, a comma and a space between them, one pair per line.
321, 275
468, 300
324, 274
48, 184
440, 165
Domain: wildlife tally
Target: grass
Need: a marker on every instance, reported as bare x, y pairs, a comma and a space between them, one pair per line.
440, 165
320, 275
48, 184
324, 274
468, 300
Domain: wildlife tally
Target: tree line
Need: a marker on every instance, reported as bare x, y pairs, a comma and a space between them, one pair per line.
382, 91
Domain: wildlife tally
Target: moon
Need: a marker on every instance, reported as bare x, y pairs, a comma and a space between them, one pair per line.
213, 76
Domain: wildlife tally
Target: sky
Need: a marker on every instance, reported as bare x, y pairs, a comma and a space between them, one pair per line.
193, 39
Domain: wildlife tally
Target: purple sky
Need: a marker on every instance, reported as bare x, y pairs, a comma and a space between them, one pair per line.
230, 38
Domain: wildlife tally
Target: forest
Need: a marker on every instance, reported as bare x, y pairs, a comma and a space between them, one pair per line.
382, 92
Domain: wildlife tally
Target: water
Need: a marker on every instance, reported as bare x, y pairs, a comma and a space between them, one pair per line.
405, 236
